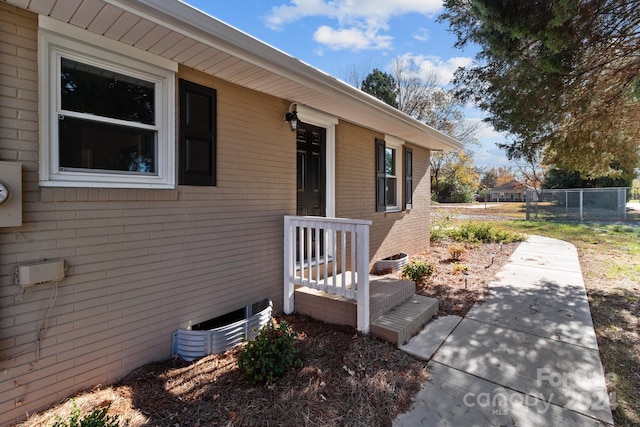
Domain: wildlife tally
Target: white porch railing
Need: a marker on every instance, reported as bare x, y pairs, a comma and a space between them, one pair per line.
317, 249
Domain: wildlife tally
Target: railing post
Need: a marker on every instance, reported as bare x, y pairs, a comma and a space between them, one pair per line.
289, 254
363, 277
302, 228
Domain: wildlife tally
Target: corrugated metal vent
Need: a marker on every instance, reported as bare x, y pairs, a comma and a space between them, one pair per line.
221, 333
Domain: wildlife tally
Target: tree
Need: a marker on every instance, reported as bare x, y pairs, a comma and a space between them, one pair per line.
453, 177
531, 173
562, 178
414, 88
504, 175
420, 96
417, 94
354, 74
381, 85
560, 75
489, 179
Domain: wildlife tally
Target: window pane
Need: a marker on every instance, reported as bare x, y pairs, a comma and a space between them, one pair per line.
391, 191
92, 90
390, 161
92, 145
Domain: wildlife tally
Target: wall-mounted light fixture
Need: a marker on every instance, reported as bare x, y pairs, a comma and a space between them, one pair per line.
291, 116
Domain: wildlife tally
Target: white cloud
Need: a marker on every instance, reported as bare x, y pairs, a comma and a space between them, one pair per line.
346, 11
297, 9
421, 34
443, 69
352, 38
362, 23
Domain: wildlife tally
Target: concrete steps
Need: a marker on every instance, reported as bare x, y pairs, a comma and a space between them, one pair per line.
396, 313
387, 293
400, 323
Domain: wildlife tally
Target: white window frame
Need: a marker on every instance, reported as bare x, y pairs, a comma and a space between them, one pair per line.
57, 40
396, 144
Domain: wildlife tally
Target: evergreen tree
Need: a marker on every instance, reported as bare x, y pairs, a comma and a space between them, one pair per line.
560, 75
381, 85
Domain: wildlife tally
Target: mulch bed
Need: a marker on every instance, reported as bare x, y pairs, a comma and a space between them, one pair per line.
347, 379
460, 283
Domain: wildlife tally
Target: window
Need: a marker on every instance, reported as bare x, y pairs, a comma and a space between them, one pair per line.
107, 117
197, 134
388, 175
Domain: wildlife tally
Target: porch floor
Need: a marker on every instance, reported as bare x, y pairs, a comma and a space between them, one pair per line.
396, 313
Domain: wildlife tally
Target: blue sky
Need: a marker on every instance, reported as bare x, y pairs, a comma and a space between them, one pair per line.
340, 36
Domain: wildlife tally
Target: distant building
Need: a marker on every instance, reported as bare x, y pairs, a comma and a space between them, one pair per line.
512, 191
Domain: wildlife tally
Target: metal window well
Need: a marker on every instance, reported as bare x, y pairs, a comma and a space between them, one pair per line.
221, 333
392, 263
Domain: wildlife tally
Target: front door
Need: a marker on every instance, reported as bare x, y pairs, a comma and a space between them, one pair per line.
311, 181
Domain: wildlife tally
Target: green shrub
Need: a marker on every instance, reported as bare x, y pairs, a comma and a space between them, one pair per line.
440, 227
418, 271
97, 418
270, 354
482, 232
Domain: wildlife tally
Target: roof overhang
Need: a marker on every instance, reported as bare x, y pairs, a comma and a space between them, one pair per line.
181, 33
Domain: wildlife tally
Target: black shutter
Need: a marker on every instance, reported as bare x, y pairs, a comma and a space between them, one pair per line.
197, 137
408, 178
381, 176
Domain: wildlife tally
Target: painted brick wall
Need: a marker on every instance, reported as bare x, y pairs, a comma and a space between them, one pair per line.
144, 262
141, 262
391, 232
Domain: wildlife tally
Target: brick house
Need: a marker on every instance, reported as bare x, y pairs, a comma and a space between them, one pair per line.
156, 167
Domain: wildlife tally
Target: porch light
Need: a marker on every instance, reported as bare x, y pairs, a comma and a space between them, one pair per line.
291, 116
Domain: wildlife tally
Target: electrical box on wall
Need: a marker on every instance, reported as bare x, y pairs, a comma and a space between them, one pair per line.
39, 272
10, 194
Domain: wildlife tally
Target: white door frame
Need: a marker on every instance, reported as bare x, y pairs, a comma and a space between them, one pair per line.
329, 122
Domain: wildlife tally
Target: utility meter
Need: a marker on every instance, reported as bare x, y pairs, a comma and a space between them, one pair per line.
10, 194
4, 193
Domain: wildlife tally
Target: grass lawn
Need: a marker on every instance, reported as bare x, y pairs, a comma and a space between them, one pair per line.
610, 261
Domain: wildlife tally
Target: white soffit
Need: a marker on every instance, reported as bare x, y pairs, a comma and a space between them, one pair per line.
181, 33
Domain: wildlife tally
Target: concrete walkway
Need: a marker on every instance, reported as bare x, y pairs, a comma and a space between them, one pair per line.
526, 356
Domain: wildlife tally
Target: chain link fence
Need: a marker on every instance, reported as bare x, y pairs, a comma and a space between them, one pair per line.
584, 204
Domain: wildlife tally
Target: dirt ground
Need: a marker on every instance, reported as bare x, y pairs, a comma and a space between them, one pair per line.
346, 378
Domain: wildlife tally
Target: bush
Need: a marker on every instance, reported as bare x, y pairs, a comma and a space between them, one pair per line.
440, 227
456, 251
460, 269
452, 191
418, 271
270, 354
97, 418
482, 232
